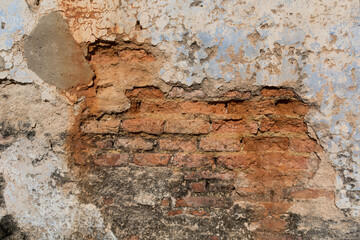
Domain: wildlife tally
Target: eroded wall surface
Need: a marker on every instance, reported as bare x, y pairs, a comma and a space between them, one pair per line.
179, 119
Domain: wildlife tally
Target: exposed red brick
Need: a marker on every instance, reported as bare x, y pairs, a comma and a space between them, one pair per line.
135, 143
172, 213
204, 201
276, 207
291, 108
198, 186
159, 106
210, 175
237, 95
236, 161
283, 161
221, 186
145, 93
202, 107
152, 126
151, 159
198, 213
311, 193
239, 127
165, 202
100, 127
219, 144
187, 126
269, 92
303, 145
266, 144
112, 159
193, 160
273, 224
178, 144
283, 125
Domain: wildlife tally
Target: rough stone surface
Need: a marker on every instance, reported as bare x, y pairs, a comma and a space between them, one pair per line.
177, 119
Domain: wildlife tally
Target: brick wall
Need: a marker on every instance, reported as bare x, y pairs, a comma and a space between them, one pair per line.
247, 147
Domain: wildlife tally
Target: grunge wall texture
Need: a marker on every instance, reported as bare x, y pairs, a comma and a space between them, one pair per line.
179, 119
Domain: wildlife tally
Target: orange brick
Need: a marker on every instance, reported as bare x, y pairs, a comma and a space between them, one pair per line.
273, 224
172, 213
272, 92
152, 126
145, 93
101, 127
193, 160
236, 161
291, 108
283, 161
266, 144
151, 159
198, 186
187, 126
112, 159
219, 144
303, 145
202, 107
210, 175
159, 106
283, 125
198, 213
237, 95
311, 193
135, 143
178, 144
239, 127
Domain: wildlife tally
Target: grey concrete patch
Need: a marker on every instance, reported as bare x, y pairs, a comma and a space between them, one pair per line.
52, 53
2, 64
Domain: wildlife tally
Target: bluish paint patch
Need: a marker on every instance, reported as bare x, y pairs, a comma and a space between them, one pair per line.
14, 23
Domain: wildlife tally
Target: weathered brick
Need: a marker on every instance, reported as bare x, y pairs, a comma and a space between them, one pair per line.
146, 125
145, 93
198, 213
110, 126
204, 201
266, 144
283, 125
291, 108
238, 127
311, 193
236, 161
172, 213
193, 160
151, 159
273, 224
159, 106
135, 143
252, 107
237, 95
198, 187
219, 144
178, 144
202, 107
221, 186
209, 175
303, 145
271, 92
187, 126
112, 159
283, 161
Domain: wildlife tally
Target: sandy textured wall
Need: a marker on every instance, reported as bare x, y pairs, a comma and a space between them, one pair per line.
81, 80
